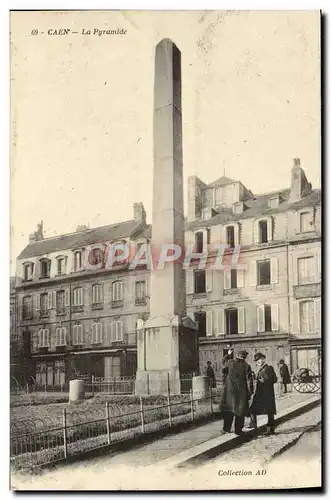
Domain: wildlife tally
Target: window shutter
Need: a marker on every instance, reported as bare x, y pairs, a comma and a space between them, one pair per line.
220, 321
295, 317
240, 278
256, 231
236, 234
189, 281
189, 238
101, 293
121, 330
274, 317
80, 295
54, 299
111, 331
241, 320
209, 323
318, 266
270, 228
318, 315
260, 319
38, 302
100, 333
253, 273
227, 278
67, 297
209, 279
274, 270
50, 300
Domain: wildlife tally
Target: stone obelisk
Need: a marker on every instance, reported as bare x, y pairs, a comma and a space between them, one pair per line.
166, 342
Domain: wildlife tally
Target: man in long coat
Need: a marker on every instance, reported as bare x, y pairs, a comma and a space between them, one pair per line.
211, 375
264, 397
238, 388
284, 375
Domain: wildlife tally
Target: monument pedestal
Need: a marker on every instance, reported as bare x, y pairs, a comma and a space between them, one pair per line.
166, 347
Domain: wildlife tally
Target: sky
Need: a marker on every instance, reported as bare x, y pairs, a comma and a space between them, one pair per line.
82, 109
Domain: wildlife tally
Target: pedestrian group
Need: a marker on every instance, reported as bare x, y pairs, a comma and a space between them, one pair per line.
246, 394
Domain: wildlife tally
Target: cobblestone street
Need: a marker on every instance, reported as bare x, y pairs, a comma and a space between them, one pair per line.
125, 468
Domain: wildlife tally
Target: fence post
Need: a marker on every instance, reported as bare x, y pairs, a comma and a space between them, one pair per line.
148, 383
211, 400
92, 383
108, 423
142, 416
192, 409
45, 388
169, 410
65, 449
168, 376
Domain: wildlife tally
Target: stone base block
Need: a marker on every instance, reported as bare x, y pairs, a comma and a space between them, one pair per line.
200, 387
157, 382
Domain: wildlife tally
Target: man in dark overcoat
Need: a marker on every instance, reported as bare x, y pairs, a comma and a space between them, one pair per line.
284, 375
211, 375
264, 397
238, 388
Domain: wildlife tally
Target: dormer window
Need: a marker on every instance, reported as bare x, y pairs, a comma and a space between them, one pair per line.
61, 265
206, 213
306, 221
274, 201
238, 208
263, 231
199, 242
27, 271
230, 240
78, 260
45, 268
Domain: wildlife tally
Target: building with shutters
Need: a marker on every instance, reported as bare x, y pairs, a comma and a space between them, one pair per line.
74, 321
274, 304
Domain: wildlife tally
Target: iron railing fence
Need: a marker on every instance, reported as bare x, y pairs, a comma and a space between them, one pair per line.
35, 443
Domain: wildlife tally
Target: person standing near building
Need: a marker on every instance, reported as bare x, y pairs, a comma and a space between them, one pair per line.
211, 375
238, 388
264, 397
284, 375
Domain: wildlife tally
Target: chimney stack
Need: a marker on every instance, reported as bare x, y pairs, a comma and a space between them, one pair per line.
139, 213
300, 187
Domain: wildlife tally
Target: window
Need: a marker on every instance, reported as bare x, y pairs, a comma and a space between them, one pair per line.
233, 278
307, 316
27, 308
117, 291
41, 379
199, 242
274, 202
45, 268
60, 308
43, 340
27, 271
231, 321
200, 318
306, 270
59, 373
116, 331
263, 231
140, 292
263, 273
267, 318
95, 256
199, 281
112, 367
61, 265
96, 333
97, 295
230, 236
206, 213
78, 296
78, 335
43, 303
77, 260
305, 222
61, 336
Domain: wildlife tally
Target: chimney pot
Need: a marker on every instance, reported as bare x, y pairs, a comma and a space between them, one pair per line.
296, 162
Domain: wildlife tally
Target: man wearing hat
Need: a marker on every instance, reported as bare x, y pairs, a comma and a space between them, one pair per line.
264, 398
238, 388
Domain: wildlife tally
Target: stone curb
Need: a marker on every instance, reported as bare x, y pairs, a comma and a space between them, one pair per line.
291, 443
216, 446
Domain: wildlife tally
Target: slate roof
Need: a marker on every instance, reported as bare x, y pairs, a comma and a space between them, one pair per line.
79, 239
222, 181
258, 206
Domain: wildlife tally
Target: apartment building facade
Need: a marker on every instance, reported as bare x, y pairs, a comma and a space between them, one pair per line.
74, 321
